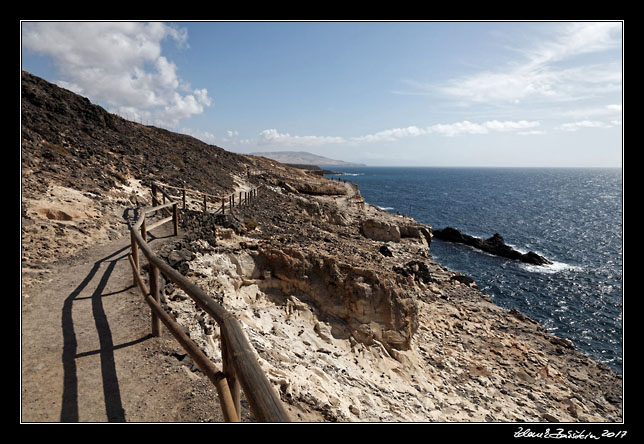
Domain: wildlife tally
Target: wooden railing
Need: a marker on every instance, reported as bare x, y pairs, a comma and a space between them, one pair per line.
240, 368
219, 202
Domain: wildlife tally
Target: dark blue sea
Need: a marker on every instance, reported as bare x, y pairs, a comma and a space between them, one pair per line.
573, 217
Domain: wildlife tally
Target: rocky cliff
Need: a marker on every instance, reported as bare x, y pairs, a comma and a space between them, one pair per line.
350, 316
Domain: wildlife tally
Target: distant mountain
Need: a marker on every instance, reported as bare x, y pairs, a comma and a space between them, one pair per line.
304, 158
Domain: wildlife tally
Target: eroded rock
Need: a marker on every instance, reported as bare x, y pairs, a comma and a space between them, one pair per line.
380, 231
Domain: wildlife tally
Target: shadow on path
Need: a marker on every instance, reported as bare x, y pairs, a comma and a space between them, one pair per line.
113, 405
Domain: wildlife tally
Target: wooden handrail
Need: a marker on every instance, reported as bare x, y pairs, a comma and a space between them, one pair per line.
240, 365
198, 356
244, 196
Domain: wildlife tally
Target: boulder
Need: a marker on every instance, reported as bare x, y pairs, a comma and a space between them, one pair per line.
421, 232
380, 231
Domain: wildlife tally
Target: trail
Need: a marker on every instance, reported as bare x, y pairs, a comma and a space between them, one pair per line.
87, 353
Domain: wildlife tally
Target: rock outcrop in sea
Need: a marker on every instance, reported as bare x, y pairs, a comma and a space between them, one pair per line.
493, 245
350, 316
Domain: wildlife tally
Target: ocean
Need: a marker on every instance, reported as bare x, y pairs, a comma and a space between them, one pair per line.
571, 216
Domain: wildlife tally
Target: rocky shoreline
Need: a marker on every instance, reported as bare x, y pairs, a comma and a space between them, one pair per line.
353, 334
351, 317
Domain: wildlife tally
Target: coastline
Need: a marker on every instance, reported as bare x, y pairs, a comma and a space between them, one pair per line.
570, 216
389, 336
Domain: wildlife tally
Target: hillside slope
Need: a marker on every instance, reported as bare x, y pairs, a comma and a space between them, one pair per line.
68, 140
81, 165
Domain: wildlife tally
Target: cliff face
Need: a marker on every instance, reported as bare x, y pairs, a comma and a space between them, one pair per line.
351, 317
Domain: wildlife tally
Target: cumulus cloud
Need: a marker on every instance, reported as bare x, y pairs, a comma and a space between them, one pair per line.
391, 134
273, 137
119, 64
452, 129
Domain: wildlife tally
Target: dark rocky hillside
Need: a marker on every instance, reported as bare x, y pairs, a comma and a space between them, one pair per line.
83, 169
69, 141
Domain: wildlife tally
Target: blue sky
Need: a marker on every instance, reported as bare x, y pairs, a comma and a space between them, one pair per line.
380, 93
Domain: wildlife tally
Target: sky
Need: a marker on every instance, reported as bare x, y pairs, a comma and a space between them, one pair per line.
445, 93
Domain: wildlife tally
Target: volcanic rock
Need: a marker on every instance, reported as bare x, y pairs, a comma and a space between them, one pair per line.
494, 245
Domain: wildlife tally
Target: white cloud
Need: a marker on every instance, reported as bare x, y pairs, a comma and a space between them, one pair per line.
613, 110
467, 127
508, 87
273, 137
577, 39
541, 75
391, 134
575, 126
510, 125
464, 127
120, 64
181, 107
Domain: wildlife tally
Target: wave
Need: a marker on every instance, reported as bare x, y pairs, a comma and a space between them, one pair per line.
555, 267
343, 174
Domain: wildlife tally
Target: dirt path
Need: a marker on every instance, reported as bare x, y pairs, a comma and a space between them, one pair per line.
87, 355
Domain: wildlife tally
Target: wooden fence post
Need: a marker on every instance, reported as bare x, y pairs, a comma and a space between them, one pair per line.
175, 219
204, 203
223, 209
135, 256
154, 292
229, 372
155, 201
184, 196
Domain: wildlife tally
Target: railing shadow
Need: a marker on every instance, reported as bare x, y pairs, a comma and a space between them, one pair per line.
113, 404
